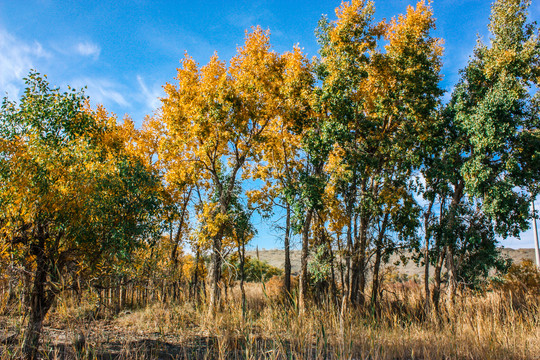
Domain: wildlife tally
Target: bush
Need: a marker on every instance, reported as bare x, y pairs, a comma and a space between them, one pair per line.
523, 277
255, 270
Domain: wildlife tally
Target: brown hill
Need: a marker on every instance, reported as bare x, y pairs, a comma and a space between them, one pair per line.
276, 258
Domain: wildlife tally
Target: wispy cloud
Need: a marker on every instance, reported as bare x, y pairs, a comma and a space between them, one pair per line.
88, 49
102, 91
247, 19
17, 58
151, 97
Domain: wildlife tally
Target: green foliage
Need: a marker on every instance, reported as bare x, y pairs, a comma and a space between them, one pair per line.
68, 188
319, 266
494, 109
482, 161
477, 251
255, 270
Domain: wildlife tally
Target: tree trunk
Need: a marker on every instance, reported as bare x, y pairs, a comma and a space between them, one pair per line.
353, 279
287, 281
426, 276
242, 258
452, 278
348, 251
40, 303
450, 265
341, 270
333, 274
427, 216
195, 277
215, 273
437, 286
375, 286
362, 261
376, 268
303, 268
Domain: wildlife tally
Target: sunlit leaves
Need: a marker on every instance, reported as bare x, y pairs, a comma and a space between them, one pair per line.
71, 185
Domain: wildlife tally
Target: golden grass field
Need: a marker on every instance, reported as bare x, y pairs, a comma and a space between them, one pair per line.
499, 323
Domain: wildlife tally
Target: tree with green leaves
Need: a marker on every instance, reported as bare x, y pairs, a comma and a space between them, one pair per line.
379, 92
70, 194
482, 165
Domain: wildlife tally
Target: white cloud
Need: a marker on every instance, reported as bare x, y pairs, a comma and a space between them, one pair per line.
88, 49
102, 91
17, 58
257, 14
151, 96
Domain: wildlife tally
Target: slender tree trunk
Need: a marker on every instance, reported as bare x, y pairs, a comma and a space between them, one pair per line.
426, 277
362, 261
215, 274
333, 274
427, 216
351, 197
452, 279
40, 303
437, 285
195, 277
341, 269
348, 251
449, 233
303, 268
242, 258
375, 283
287, 281
376, 268
355, 260
535, 232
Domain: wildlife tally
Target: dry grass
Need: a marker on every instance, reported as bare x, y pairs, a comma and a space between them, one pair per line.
493, 325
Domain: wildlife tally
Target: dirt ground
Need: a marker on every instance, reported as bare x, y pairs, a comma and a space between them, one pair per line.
108, 339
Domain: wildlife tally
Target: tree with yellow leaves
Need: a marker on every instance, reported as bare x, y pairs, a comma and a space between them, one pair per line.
282, 158
219, 118
150, 142
70, 195
376, 102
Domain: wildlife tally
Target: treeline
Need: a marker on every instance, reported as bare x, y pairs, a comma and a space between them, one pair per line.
356, 149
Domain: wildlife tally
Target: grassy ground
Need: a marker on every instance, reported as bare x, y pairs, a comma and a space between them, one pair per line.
493, 325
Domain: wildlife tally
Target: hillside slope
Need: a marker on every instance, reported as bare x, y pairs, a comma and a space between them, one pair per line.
276, 258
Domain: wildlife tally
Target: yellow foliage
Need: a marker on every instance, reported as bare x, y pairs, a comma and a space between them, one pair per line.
222, 121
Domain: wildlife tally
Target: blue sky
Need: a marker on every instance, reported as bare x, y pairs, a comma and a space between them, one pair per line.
125, 51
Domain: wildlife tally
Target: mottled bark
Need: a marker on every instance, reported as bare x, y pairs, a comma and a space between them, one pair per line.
375, 290
287, 281
303, 267
435, 296
427, 237
40, 302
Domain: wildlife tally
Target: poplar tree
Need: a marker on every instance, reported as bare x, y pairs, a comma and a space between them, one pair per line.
376, 101
220, 118
484, 161
70, 193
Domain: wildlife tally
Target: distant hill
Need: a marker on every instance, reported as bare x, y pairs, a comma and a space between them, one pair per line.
276, 258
